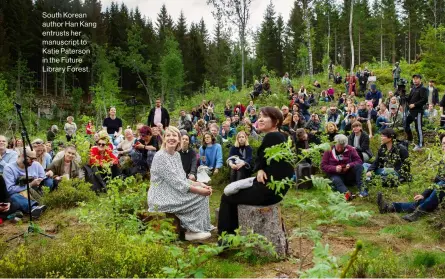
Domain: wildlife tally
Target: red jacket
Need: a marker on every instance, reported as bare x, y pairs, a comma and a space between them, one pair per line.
97, 159
241, 107
330, 161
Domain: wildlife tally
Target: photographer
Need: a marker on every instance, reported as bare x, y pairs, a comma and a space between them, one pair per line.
14, 176
416, 100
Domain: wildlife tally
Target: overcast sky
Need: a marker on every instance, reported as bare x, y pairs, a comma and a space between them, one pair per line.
194, 10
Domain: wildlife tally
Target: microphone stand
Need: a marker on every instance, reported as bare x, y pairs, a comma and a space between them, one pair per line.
31, 228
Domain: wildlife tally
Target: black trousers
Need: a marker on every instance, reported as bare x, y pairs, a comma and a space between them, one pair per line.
258, 194
236, 175
415, 117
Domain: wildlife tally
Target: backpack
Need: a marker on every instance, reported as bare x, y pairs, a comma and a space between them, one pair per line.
304, 170
97, 183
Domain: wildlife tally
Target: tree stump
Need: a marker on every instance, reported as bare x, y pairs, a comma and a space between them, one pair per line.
267, 221
177, 224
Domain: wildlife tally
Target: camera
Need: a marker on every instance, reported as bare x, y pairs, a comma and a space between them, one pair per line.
21, 181
401, 88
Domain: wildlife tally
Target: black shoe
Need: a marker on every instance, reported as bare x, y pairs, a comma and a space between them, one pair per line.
37, 211
414, 216
384, 207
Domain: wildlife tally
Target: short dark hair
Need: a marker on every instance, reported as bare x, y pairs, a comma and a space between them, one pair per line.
389, 133
275, 115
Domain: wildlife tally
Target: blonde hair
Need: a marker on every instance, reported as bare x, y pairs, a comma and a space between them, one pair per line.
174, 130
331, 124
70, 117
236, 139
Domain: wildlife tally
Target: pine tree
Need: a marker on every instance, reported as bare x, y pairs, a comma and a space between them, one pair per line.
164, 25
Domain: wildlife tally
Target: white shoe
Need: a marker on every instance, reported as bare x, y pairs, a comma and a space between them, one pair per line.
190, 236
417, 148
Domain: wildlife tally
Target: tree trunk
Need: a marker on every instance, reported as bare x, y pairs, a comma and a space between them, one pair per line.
329, 34
308, 35
266, 221
335, 46
409, 41
242, 38
350, 37
359, 57
63, 85
381, 42
55, 85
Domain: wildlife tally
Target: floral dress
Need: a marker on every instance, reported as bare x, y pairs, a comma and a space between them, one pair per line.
170, 192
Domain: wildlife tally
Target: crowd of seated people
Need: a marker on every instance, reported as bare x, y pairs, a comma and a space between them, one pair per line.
204, 135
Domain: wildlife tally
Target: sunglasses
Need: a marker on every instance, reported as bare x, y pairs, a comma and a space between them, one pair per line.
102, 144
32, 158
38, 142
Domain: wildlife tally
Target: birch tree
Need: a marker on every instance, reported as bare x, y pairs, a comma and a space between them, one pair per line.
350, 36
236, 12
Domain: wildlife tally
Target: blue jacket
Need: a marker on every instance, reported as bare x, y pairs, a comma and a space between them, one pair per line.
213, 154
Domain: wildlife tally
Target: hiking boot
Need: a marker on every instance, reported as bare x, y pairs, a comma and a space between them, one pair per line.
190, 236
384, 207
414, 216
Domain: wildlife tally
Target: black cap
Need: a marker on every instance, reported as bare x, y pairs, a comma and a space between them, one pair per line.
389, 133
417, 75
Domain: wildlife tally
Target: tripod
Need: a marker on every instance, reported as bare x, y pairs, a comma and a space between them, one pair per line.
25, 138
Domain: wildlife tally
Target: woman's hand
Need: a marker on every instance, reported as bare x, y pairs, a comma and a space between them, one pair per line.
5, 207
261, 176
215, 171
418, 197
192, 177
233, 166
203, 190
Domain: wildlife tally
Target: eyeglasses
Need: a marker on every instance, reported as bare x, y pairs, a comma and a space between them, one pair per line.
38, 142
102, 144
32, 158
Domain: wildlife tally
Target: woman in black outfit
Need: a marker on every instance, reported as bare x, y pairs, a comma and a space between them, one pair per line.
242, 149
258, 194
188, 158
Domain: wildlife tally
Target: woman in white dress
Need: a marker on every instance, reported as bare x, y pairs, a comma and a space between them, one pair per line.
171, 192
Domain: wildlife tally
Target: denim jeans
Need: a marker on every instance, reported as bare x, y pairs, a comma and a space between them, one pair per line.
22, 202
427, 204
381, 171
353, 176
396, 81
379, 125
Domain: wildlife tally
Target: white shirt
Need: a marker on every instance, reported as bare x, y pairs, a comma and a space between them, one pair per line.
158, 116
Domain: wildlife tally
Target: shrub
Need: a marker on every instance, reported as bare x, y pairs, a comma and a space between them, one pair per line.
95, 254
69, 194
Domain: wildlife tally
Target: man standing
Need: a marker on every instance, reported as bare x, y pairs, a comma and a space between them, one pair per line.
396, 74
6, 156
158, 115
416, 100
433, 94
